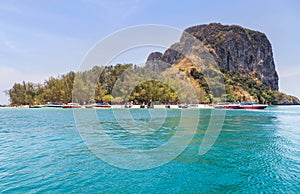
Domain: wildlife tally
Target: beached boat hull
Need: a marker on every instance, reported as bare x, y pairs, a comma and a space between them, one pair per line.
241, 106
102, 106
260, 106
228, 106
70, 106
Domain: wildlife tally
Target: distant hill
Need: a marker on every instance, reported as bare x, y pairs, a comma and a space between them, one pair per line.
243, 56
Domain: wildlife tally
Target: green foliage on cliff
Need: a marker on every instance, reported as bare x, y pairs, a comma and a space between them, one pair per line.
249, 88
240, 87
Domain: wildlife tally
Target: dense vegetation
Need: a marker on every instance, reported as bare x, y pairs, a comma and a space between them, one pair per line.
95, 85
100, 85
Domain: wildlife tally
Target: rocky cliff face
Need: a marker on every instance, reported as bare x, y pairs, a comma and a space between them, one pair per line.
235, 49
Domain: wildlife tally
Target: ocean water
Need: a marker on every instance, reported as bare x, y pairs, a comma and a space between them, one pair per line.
41, 151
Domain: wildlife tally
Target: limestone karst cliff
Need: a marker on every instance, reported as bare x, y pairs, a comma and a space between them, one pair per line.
242, 55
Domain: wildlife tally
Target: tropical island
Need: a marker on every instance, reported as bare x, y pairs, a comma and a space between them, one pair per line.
243, 56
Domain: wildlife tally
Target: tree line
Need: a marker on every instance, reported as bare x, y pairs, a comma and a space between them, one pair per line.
127, 82
95, 85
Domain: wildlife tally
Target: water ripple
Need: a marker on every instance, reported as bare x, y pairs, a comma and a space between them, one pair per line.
257, 152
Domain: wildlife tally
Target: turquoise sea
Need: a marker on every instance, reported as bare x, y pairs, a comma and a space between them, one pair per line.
41, 151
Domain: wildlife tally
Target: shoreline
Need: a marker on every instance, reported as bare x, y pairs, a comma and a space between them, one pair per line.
201, 106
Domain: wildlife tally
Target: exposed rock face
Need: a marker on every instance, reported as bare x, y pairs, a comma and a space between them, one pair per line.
154, 56
159, 62
154, 62
235, 49
239, 49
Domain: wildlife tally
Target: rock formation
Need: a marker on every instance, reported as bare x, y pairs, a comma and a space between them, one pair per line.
235, 49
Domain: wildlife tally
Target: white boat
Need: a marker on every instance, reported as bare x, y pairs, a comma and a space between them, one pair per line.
103, 105
72, 105
53, 105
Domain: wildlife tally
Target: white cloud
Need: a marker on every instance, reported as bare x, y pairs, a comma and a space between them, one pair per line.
289, 84
6, 7
120, 9
9, 76
291, 71
5, 42
5, 75
5, 81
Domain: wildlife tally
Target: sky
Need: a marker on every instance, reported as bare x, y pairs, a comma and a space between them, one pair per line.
39, 39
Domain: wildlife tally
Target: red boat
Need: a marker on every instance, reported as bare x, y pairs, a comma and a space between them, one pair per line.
71, 105
252, 105
243, 105
227, 106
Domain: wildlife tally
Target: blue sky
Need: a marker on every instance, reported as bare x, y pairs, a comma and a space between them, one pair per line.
39, 39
